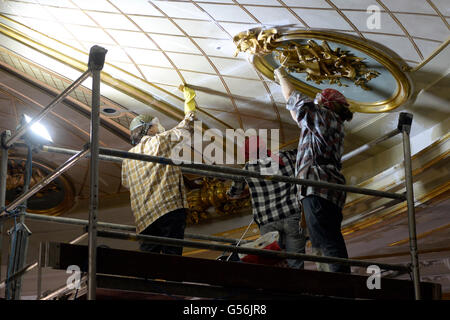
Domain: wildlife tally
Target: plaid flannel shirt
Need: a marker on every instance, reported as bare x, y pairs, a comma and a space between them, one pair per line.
320, 147
156, 189
271, 201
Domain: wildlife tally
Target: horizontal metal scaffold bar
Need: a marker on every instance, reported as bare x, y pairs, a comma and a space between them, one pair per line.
80, 222
230, 172
228, 248
119, 160
224, 172
369, 145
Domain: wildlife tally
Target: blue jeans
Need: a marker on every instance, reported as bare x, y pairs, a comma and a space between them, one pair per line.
170, 225
292, 237
323, 219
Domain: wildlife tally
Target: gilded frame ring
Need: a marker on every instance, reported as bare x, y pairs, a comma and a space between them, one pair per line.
382, 55
69, 192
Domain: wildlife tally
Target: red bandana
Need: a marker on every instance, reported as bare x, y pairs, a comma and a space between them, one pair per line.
330, 95
252, 146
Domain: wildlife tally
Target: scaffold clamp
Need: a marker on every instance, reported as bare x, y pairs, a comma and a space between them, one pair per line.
97, 58
404, 122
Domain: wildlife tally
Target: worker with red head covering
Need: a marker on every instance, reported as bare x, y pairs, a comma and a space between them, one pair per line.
320, 148
275, 204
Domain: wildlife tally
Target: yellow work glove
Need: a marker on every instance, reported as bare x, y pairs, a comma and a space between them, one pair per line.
189, 102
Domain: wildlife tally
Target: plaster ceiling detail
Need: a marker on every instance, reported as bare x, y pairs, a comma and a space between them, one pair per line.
370, 75
55, 83
156, 45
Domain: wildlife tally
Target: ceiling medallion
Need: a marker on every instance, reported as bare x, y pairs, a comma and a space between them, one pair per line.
56, 198
368, 74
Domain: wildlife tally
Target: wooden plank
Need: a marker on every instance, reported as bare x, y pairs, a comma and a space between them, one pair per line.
235, 274
115, 286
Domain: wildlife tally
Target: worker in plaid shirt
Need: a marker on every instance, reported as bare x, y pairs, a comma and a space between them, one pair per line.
319, 154
275, 204
157, 192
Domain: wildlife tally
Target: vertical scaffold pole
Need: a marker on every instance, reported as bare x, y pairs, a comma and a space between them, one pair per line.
96, 62
404, 125
3, 175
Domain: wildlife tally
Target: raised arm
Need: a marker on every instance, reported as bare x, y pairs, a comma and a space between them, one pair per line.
286, 87
186, 126
296, 102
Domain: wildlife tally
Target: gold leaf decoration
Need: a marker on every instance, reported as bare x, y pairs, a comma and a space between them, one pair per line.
211, 197
319, 62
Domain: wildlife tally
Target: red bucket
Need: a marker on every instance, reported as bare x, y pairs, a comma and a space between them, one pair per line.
268, 241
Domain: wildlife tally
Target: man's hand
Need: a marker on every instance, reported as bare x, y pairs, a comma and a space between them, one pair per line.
189, 102
245, 194
279, 73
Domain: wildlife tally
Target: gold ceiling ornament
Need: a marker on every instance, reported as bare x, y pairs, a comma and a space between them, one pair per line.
15, 178
54, 199
256, 41
212, 197
319, 62
260, 42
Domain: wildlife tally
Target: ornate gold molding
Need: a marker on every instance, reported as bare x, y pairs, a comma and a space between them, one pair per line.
260, 44
211, 196
57, 197
319, 62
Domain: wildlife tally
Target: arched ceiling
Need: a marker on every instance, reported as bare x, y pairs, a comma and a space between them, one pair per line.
154, 46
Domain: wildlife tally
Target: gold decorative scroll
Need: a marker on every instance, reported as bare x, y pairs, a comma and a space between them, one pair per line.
211, 197
15, 179
319, 62
55, 198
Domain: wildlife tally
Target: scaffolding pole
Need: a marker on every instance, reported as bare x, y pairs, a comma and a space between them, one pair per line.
369, 145
124, 227
7, 140
96, 62
404, 124
232, 172
268, 253
119, 160
3, 176
225, 172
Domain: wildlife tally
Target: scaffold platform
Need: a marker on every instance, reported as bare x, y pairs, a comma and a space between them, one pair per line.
123, 274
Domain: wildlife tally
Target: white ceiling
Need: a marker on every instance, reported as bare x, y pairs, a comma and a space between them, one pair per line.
166, 43
155, 46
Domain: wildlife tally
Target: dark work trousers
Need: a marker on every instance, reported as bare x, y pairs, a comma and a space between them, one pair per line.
323, 219
170, 225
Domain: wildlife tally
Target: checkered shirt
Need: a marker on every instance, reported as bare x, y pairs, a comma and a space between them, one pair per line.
156, 189
271, 201
320, 147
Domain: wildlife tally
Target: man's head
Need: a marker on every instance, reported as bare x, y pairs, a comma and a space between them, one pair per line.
335, 101
143, 125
